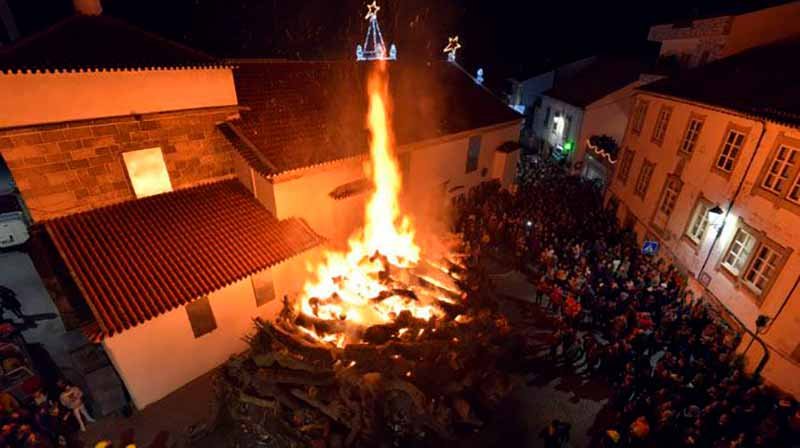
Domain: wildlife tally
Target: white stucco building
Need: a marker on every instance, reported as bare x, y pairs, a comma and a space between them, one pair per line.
302, 138
595, 102
725, 135
176, 197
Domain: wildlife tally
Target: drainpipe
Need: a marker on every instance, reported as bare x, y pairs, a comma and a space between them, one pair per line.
735, 195
783, 305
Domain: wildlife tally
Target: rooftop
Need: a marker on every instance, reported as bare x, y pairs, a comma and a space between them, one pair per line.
601, 78
762, 82
300, 114
136, 260
97, 42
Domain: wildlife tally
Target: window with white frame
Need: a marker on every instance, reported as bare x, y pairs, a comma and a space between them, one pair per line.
147, 172
762, 269
639, 114
698, 224
754, 260
794, 193
660, 129
643, 182
731, 148
739, 251
692, 133
625, 165
672, 189
782, 168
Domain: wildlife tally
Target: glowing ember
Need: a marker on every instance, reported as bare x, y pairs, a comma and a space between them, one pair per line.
352, 287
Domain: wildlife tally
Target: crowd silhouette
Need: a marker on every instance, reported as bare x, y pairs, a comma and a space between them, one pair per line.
625, 317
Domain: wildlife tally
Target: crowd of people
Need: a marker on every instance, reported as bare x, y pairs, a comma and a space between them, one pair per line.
625, 317
33, 414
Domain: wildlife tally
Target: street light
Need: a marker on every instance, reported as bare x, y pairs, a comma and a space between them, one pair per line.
715, 216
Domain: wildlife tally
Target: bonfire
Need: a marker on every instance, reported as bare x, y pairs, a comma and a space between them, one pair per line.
385, 344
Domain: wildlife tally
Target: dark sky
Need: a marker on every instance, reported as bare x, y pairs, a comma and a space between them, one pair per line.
502, 36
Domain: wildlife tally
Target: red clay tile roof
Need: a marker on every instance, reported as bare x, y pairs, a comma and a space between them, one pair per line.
138, 259
82, 42
300, 114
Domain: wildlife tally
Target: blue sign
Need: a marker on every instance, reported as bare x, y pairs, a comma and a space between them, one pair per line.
650, 247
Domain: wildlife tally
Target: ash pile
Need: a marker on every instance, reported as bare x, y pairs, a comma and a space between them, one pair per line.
408, 382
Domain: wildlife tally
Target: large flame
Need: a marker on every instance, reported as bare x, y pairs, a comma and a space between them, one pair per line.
352, 286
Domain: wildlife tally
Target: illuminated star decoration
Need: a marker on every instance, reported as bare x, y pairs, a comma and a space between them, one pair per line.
372, 11
451, 48
374, 49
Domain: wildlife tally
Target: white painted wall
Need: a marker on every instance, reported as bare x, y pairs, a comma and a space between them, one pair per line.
779, 224
306, 193
157, 357
37, 98
608, 115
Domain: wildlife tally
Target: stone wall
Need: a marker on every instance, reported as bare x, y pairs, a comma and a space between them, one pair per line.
65, 168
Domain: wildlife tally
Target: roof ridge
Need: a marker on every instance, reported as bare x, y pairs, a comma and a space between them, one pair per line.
174, 192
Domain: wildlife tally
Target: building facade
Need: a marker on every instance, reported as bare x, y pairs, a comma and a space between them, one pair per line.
597, 102
709, 169
175, 197
692, 43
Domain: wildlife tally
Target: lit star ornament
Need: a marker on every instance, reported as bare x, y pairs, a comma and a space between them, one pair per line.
372, 11
451, 48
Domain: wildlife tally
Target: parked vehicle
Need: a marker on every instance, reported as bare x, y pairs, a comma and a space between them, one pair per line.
13, 224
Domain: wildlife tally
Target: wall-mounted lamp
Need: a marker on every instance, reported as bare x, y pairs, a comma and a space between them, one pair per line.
715, 216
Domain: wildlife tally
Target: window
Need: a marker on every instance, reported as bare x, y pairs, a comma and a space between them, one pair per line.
201, 317
781, 170
639, 113
754, 260
698, 223
690, 136
739, 251
567, 127
263, 287
643, 182
762, 269
473, 153
672, 189
625, 165
731, 147
147, 172
546, 117
660, 129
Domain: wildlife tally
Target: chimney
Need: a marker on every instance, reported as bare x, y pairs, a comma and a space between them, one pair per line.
7, 18
88, 7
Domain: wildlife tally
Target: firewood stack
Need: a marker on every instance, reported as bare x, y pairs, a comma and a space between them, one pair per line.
411, 382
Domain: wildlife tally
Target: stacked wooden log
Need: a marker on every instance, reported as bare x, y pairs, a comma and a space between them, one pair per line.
411, 382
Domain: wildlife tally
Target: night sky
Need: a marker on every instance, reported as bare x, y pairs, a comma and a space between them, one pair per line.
504, 37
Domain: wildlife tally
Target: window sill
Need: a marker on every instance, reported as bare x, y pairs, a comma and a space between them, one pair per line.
722, 173
695, 245
742, 286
